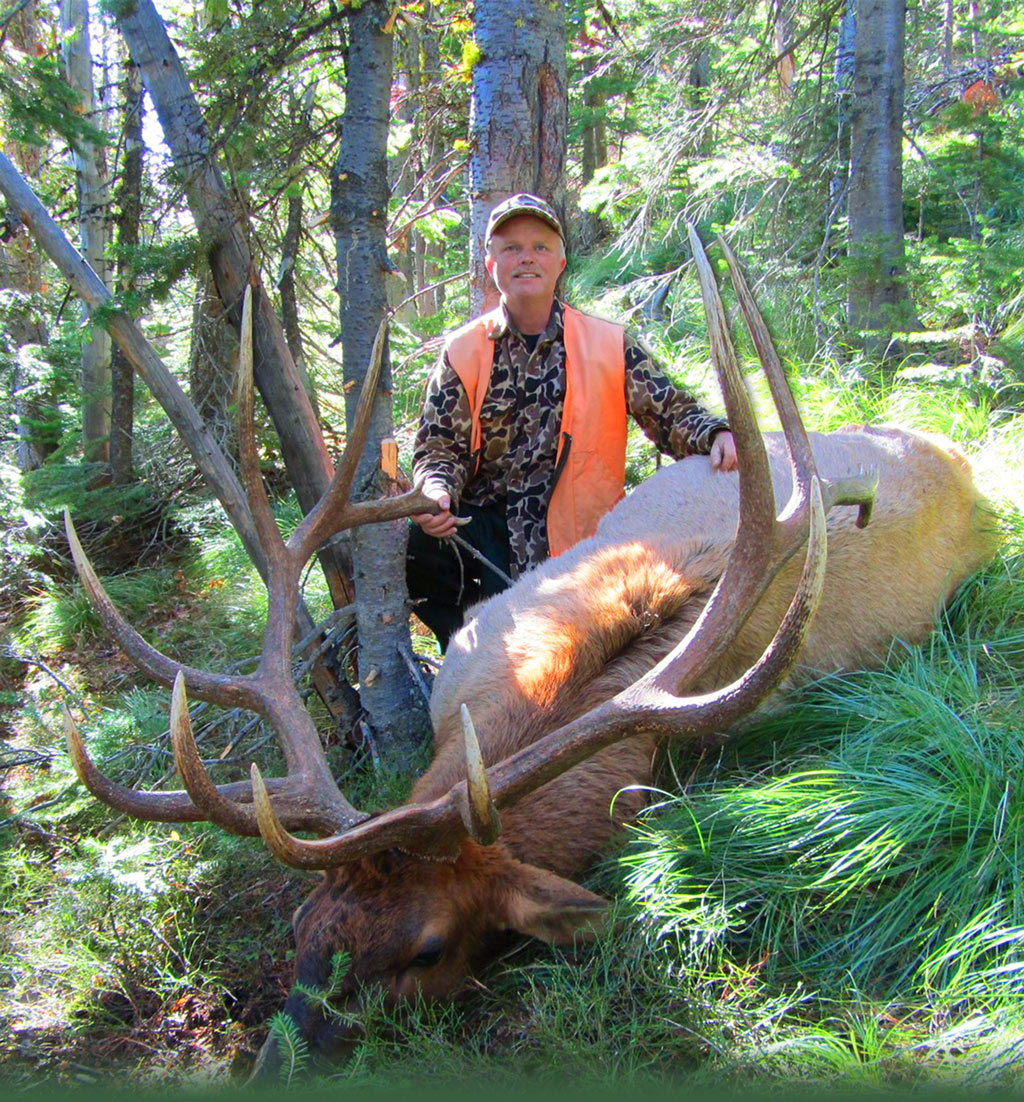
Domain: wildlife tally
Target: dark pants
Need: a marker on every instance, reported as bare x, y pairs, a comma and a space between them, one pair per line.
445, 580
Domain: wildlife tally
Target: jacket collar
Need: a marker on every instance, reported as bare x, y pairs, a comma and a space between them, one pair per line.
498, 324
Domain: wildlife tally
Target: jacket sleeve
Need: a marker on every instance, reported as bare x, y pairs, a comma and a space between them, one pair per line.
443, 454
675, 422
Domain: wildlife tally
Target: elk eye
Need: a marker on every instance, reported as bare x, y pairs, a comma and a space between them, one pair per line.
430, 953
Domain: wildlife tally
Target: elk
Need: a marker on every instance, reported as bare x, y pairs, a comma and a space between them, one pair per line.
681, 615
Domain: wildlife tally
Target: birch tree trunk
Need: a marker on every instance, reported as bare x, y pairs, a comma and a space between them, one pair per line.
359, 194
877, 294
93, 211
517, 122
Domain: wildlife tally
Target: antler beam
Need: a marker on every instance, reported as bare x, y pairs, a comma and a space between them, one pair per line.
307, 798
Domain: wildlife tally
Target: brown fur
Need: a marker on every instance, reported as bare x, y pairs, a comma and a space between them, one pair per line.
580, 628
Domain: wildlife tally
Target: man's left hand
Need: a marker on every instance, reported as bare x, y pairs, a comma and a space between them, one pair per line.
723, 452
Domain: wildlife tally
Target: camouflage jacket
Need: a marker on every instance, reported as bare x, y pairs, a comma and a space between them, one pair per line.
521, 416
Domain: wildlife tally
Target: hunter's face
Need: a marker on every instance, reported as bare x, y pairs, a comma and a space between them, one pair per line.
525, 257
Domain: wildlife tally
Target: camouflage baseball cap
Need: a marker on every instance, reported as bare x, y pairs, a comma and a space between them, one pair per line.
519, 204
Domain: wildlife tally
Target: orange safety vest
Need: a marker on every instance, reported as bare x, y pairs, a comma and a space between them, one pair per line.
593, 416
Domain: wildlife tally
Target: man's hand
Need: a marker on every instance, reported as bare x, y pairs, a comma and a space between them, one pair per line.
723, 452
440, 525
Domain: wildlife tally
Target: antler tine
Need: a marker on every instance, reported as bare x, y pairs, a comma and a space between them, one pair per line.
435, 829
248, 454
326, 517
482, 821
797, 443
856, 489
160, 807
750, 566
229, 692
217, 808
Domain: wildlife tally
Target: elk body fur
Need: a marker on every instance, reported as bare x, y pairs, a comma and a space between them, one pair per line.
581, 627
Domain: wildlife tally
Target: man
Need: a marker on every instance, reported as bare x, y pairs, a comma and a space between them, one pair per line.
524, 425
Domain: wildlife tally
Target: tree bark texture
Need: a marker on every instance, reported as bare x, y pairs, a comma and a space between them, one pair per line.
289, 298
212, 366
21, 271
845, 49
877, 291
222, 228
518, 113
394, 705
128, 219
93, 214
430, 254
300, 113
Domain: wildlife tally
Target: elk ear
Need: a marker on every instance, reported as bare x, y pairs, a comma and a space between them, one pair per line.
542, 905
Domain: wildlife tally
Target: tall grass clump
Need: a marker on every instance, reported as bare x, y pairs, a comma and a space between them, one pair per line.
870, 837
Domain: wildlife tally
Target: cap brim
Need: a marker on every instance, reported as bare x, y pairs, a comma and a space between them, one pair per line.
533, 213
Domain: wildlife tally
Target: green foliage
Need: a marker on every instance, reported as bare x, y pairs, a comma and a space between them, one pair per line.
152, 270
38, 103
153, 927
293, 1047
323, 997
63, 618
19, 525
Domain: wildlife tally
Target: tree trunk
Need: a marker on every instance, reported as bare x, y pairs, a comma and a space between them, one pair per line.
785, 64
878, 300
212, 365
128, 220
393, 703
21, 270
93, 209
948, 23
222, 228
431, 253
845, 50
289, 298
406, 172
518, 111
300, 113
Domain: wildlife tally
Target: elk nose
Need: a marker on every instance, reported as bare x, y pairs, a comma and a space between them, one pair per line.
329, 1037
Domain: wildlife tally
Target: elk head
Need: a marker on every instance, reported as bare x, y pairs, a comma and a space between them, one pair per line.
417, 895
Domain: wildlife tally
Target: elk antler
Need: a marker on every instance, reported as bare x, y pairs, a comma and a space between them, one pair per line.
307, 798
655, 703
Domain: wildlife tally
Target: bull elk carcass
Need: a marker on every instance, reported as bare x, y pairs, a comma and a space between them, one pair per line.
680, 616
